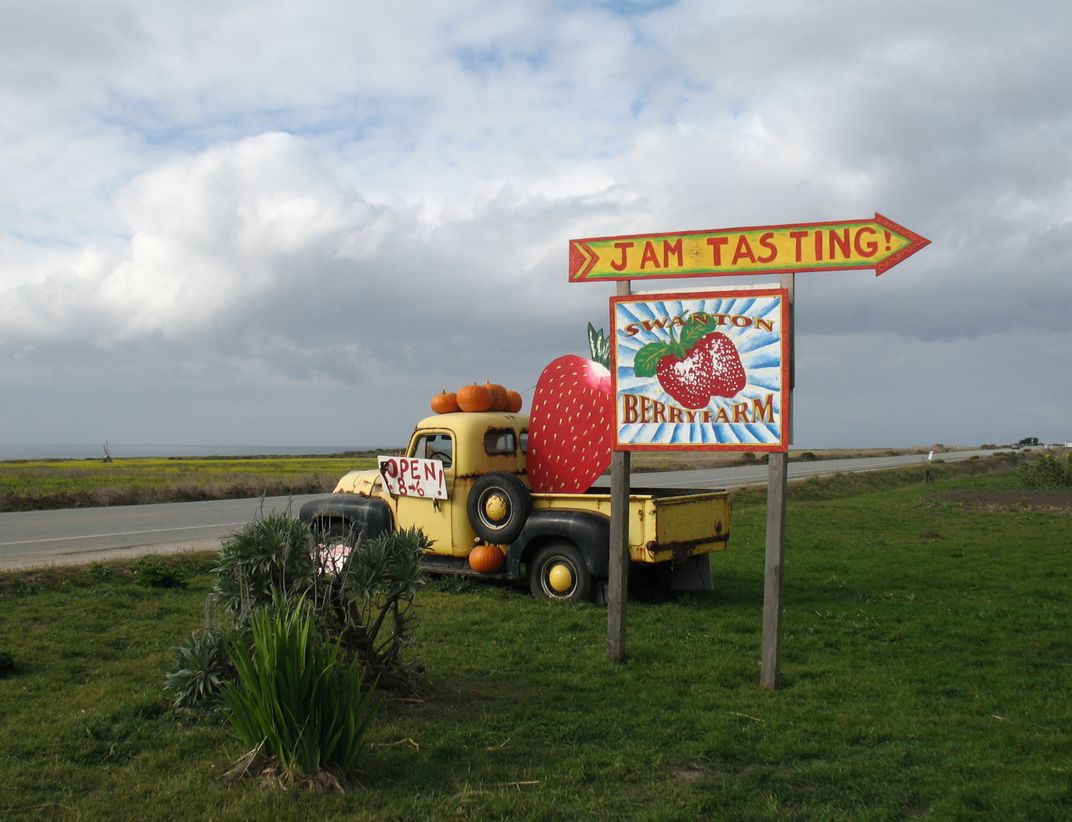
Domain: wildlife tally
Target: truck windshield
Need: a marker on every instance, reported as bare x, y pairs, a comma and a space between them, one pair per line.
434, 447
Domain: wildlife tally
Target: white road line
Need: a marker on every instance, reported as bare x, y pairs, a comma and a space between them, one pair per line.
123, 533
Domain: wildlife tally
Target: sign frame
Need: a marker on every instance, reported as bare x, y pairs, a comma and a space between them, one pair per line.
721, 425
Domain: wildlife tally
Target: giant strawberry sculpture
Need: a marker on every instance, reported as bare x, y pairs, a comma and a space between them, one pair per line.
571, 424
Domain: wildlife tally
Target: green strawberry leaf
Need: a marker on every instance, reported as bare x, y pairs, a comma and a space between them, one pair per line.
599, 345
694, 332
646, 360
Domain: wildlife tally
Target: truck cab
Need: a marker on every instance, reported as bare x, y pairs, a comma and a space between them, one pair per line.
469, 446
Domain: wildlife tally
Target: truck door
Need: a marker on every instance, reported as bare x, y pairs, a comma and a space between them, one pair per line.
431, 515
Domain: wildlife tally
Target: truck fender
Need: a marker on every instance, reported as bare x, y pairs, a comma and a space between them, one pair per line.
364, 516
589, 531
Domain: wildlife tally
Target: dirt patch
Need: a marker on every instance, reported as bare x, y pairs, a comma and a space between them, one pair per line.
1012, 500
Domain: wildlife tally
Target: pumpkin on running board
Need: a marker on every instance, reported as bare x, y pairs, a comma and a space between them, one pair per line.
486, 559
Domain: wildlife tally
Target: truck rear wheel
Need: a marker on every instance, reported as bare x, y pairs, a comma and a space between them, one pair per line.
498, 506
558, 572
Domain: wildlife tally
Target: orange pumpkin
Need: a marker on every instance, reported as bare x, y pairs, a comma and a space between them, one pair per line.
445, 402
486, 559
498, 396
513, 402
474, 398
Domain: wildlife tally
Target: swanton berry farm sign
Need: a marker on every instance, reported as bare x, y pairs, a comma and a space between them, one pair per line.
701, 371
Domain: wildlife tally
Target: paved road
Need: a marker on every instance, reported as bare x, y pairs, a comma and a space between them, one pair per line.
757, 474
82, 535
74, 535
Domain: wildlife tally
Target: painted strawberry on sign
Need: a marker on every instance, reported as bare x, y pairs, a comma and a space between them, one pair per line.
692, 369
571, 425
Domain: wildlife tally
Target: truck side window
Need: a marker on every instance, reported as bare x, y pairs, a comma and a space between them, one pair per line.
525, 441
499, 441
434, 447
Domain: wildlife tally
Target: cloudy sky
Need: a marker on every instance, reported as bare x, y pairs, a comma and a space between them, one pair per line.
291, 223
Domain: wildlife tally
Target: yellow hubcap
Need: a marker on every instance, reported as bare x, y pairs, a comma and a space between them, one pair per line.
560, 578
496, 508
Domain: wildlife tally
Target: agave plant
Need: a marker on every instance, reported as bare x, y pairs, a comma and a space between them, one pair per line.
200, 672
370, 602
273, 554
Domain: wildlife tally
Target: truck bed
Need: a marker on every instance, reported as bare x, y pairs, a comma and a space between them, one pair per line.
665, 524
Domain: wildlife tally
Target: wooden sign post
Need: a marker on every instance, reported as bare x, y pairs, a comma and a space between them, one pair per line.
774, 555
618, 570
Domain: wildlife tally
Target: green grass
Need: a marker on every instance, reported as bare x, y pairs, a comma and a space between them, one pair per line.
927, 665
42, 484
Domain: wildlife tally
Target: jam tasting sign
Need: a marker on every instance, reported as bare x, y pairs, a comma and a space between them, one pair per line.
701, 371
877, 244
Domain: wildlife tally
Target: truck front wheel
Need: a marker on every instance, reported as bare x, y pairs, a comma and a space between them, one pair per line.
558, 572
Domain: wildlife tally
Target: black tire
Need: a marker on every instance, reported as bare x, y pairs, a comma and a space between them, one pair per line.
599, 595
546, 579
498, 506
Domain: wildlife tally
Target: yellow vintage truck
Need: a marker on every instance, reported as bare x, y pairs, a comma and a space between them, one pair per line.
559, 543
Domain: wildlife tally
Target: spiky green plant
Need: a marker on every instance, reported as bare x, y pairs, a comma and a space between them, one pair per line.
272, 554
366, 601
200, 672
297, 699
369, 603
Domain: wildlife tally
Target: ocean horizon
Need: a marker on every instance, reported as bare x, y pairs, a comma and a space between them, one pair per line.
118, 450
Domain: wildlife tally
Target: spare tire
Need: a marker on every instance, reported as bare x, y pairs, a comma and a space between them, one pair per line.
498, 506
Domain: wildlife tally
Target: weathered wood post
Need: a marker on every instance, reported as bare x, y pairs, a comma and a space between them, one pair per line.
774, 556
618, 571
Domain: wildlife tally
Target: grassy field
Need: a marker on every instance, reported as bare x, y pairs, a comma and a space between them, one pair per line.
927, 663
34, 485
42, 484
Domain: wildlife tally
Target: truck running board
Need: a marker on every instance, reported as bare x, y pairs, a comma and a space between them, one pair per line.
457, 566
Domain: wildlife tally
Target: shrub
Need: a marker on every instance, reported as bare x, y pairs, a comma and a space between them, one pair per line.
156, 573
99, 572
1047, 472
368, 604
366, 601
297, 700
272, 554
200, 672
309, 641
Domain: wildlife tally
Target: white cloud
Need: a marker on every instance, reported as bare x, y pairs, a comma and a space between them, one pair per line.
366, 195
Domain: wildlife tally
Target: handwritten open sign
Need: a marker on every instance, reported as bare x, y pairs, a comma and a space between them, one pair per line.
414, 477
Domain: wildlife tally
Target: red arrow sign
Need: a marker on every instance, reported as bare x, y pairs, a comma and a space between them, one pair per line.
779, 249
